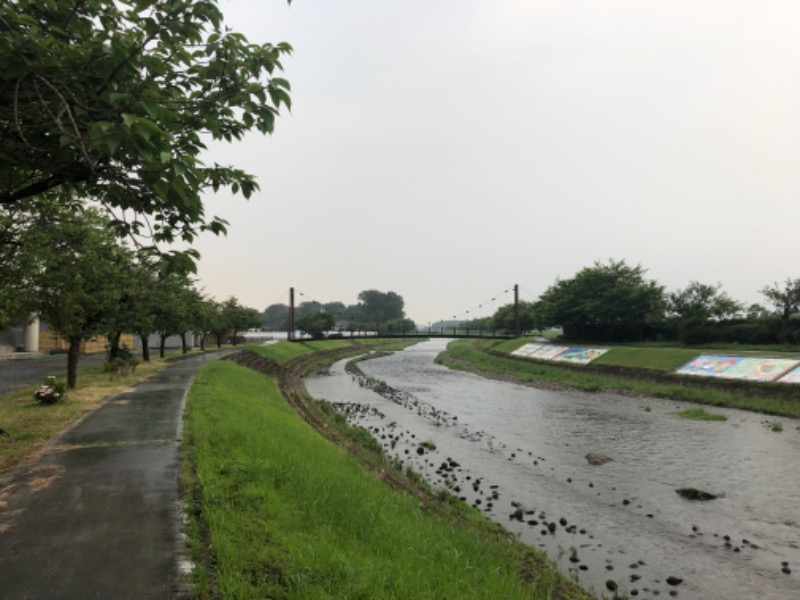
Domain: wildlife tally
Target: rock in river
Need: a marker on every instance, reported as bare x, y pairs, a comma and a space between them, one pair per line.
597, 459
695, 494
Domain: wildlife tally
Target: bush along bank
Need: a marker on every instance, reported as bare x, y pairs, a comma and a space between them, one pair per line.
279, 511
492, 359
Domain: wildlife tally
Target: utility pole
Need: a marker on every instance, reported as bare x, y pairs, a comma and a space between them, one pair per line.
290, 332
517, 325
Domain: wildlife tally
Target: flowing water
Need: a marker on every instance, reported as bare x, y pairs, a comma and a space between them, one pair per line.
519, 454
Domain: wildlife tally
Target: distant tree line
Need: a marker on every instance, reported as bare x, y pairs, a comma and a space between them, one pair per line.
377, 311
615, 302
66, 265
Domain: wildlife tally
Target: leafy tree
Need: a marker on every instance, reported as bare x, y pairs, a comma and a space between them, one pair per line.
608, 302
379, 307
239, 318
219, 325
503, 318
335, 308
24, 249
309, 307
111, 100
701, 302
142, 303
399, 326
785, 300
174, 310
316, 324
276, 317
481, 323
79, 286
207, 318
131, 306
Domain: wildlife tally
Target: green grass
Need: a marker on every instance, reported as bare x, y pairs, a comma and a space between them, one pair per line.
282, 352
281, 512
664, 359
700, 414
471, 354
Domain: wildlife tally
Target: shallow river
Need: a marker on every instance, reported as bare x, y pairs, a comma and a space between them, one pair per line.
519, 454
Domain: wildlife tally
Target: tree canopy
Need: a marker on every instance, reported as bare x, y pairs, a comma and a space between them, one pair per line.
785, 300
316, 324
380, 307
700, 302
373, 310
112, 101
80, 282
239, 318
604, 301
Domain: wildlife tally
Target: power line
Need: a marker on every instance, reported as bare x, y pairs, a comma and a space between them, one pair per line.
466, 313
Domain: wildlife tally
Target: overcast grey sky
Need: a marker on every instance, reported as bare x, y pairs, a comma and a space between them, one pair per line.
447, 149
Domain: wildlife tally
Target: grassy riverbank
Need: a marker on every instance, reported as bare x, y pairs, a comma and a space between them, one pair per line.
278, 511
283, 352
642, 371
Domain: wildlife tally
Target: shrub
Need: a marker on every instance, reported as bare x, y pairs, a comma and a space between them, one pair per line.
120, 367
51, 391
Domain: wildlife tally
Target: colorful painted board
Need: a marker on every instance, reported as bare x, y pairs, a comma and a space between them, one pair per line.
759, 369
526, 350
581, 356
792, 376
738, 367
709, 365
548, 352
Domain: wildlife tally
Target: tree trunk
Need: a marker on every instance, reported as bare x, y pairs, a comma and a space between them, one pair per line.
203, 341
113, 344
162, 344
145, 346
234, 337
72, 361
184, 347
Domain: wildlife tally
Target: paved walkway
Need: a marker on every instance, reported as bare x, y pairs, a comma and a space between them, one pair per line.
98, 515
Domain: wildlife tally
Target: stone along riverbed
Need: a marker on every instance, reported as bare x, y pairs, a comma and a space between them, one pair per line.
519, 454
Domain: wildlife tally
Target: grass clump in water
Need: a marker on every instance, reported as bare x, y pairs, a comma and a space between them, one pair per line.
777, 426
281, 512
700, 414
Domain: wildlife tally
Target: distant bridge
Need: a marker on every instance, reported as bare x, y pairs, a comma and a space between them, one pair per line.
447, 332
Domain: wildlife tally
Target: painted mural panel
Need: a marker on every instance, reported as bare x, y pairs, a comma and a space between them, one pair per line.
582, 356
526, 350
749, 368
709, 365
759, 369
791, 377
548, 352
